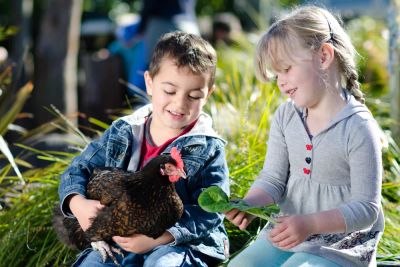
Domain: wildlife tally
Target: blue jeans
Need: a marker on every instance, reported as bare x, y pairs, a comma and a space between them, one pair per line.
262, 253
162, 256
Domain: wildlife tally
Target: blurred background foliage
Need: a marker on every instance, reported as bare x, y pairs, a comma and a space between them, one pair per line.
242, 108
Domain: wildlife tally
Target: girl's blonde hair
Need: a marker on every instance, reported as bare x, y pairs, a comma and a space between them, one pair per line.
306, 29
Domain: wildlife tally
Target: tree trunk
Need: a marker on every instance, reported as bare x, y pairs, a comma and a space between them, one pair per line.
394, 67
20, 13
56, 59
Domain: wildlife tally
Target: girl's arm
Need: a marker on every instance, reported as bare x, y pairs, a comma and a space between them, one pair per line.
255, 197
330, 221
293, 230
273, 177
270, 184
365, 161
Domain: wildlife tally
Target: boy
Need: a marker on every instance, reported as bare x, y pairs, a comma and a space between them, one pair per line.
180, 80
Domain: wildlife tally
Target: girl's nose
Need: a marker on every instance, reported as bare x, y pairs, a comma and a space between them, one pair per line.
281, 82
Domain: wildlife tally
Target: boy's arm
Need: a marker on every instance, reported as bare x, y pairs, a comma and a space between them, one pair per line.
76, 176
196, 223
84, 209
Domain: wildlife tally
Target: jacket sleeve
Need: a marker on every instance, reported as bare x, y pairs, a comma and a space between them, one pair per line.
196, 223
76, 176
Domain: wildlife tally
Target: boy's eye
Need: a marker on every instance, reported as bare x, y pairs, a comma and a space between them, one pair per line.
195, 97
169, 92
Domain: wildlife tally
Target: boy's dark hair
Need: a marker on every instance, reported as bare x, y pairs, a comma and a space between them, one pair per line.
187, 50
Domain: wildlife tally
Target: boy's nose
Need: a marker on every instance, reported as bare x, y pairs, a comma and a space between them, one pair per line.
180, 101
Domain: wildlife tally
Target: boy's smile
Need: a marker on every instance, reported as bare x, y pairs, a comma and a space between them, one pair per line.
178, 96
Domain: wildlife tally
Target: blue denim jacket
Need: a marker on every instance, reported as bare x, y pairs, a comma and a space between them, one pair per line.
204, 158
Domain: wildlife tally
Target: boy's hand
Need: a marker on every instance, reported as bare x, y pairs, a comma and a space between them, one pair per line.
291, 230
84, 209
239, 218
140, 244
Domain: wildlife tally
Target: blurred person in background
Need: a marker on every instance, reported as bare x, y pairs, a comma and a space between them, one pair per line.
138, 35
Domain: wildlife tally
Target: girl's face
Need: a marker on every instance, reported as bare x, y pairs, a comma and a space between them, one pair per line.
301, 81
178, 96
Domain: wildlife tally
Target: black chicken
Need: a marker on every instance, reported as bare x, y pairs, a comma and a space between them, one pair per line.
144, 202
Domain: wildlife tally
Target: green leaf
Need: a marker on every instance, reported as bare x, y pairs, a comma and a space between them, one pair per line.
214, 199
14, 110
6, 151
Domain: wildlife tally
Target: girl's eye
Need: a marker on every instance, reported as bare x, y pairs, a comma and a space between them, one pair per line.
287, 69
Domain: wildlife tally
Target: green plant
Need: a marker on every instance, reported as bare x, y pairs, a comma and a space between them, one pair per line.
31, 240
214, 199
11, 107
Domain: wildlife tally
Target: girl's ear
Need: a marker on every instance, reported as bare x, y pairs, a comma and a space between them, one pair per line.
149, 82
326, 55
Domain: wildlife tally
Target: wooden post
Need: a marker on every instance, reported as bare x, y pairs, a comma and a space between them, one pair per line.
56, 59
101, 90
71, 60
394, 66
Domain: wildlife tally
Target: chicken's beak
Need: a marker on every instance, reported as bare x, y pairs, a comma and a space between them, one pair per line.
182, 173
172, 170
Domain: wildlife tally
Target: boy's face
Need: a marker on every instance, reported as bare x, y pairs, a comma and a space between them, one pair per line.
178, 96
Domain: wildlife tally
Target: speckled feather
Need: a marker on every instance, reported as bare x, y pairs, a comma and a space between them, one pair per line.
144, 202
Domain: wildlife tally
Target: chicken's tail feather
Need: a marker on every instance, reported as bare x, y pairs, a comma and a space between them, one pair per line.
69, 231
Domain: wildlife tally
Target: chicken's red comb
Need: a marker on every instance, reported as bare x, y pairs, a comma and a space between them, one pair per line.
176, 155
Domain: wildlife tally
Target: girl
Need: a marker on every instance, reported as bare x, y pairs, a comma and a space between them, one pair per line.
323, 165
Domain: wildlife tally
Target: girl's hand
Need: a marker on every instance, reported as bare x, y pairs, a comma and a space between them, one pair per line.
140, 244
239, 218
291, 230
84, 209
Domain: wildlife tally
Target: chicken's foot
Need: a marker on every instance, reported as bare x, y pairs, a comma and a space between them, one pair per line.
106, 250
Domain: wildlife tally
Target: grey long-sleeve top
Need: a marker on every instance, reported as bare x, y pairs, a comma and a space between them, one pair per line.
340, 167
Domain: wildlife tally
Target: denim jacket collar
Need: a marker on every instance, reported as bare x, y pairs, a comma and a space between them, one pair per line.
199, 132
202, 127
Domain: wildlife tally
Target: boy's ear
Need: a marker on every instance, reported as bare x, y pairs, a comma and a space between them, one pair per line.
149, 82
210, 90
326, 55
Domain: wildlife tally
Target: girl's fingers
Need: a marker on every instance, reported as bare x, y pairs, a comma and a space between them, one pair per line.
244, 224
238, 218
279, 237
287, 244
231, 214
278, 228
